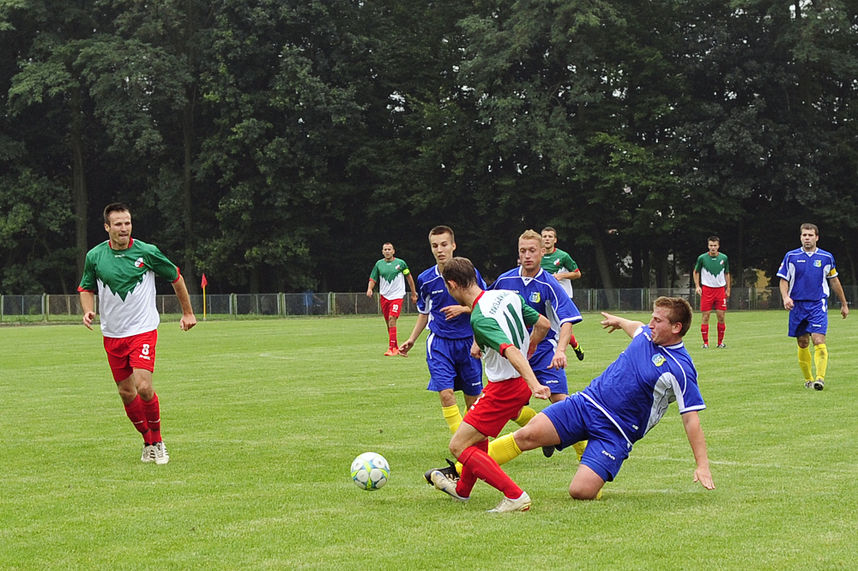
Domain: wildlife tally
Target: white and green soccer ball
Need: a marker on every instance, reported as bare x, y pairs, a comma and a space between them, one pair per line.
370, 471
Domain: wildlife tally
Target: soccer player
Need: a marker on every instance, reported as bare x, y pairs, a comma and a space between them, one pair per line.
543, 292
391, 273
712, 284
807, 276
500, 319
448, 346
623, 403
123, 270
559, 263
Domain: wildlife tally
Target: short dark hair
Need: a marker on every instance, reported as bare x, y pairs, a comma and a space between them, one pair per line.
461, 271
441, 229
383, 244
679, 311
115, 207
714, 239
549, 229
809, 226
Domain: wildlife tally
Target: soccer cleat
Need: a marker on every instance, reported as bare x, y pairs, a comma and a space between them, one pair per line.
721, 346
706, 345
446, 485
392, 352
161, 454
449, 471
818, 384
808, 384
548, 451
522, 504
148, 453
579, 352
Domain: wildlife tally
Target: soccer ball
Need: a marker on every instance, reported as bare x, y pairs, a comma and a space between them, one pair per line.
370, 471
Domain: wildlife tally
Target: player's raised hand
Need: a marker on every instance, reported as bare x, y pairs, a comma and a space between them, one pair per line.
611, 322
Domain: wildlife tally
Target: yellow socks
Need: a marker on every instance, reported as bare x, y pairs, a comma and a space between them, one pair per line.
579, 447
804, 362
453, 416
820, 359
501, 449
523, 418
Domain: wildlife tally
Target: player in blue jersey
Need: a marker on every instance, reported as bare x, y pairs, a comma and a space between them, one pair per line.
808, 274
448, 346
543, 292
623, 403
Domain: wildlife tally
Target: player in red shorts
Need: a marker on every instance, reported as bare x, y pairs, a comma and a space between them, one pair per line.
712, 284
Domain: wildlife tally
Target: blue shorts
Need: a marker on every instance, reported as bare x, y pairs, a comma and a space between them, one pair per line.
808, 317
554, 379
576, 419
452, 367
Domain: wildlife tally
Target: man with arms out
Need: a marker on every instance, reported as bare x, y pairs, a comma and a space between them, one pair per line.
561, 265
123, 270
448, 347
806, 275
390, 273
623, 403
499, 319
712, 284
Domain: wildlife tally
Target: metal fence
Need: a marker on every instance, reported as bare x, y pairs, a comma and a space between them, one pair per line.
51, 307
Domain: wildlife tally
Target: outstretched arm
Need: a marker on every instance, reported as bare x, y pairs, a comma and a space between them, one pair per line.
614, 322
691, 422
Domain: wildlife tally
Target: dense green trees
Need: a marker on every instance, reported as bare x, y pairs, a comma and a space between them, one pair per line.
274, 144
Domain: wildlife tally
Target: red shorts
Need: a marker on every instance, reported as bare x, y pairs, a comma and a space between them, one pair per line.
713, 298
390, 307
499, 403
124, 354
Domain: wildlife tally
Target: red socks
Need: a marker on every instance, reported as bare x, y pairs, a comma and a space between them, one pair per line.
137, 415
721, 328
477, 464
153, 417
704, 330
391, 333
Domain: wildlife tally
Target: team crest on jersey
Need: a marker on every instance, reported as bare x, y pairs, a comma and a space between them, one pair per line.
817, 263
535, 297
658, 360
556, 262
138, 263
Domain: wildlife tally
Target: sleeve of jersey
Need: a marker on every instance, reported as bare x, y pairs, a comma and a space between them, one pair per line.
688, 398
783, 271
87, 280
480, 281
373, 275
162, 266
422, 295
570, 263
488, 333
564, 307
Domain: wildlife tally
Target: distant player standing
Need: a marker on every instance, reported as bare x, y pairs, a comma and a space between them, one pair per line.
499, 319
806, 274
712, 284
390, 273
561, 265
123, 270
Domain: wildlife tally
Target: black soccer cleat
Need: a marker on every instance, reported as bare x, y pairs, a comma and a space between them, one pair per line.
548, 451
579, 352
449, 471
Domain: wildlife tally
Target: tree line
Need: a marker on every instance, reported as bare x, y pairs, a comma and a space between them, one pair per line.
275, 144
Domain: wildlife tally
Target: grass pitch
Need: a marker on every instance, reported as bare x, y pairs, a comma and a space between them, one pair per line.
262, 420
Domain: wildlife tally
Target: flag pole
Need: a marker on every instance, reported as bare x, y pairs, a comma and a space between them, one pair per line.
204, 283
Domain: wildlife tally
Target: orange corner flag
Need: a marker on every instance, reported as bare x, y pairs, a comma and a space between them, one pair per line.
204, 282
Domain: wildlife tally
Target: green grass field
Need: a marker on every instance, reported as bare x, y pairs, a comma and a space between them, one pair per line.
263, 418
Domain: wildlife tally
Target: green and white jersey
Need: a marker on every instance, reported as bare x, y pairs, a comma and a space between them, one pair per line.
125, 280
390, 277
559, 261
500, 318
713, 271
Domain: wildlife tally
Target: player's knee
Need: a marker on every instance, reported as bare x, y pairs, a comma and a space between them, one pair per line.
583, 493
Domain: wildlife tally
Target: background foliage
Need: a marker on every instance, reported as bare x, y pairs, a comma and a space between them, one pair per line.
274, 144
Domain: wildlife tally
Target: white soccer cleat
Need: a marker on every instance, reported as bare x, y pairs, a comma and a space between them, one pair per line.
148, 453
446, 485
161, 454
521, 504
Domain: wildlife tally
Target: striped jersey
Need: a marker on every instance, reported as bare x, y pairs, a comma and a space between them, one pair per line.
500, 319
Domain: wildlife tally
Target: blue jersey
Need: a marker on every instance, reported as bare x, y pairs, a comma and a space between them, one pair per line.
432, 296
808, 274
636, 389
544, 294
